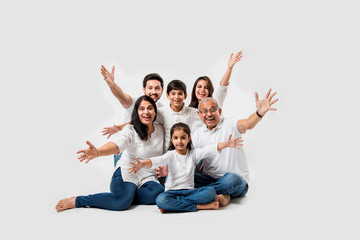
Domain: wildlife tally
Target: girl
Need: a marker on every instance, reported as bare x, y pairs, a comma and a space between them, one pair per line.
181, 159
203, 86
142, 137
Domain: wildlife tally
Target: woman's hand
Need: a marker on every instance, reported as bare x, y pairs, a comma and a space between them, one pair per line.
87, 154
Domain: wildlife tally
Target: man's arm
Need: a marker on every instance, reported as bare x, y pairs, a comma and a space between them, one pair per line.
109, 77
263, 106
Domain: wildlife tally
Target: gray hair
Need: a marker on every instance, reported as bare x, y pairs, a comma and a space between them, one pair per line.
207, 99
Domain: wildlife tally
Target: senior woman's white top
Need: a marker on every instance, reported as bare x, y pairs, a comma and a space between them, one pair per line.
133, 147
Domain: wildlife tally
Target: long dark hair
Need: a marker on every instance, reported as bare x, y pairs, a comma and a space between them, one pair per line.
186, 129
139, 127
194, 101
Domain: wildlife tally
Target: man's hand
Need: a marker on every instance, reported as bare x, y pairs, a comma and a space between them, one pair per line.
109, 77
264, 105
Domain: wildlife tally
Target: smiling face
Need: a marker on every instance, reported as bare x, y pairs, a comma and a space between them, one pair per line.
202, 90
176, 98
180, 139
209, 113
146, 113
153, 89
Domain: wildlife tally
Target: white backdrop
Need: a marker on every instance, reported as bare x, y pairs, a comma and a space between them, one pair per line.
304, 180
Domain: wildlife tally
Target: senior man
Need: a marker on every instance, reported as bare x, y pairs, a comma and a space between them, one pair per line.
227, 172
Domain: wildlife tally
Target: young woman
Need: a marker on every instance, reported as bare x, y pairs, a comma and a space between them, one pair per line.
142, 137
203, 86
181, 159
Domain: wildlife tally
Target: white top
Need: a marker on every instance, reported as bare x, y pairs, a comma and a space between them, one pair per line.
230, 159
220, 94
132, 147
128, 111
167, 117
181, 167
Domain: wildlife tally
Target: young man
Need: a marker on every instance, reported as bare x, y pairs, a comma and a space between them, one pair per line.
227, 172
153, 86
176, 111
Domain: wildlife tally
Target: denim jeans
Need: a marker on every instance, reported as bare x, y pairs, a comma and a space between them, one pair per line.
230, 184
122, 195
116, 158
185, 200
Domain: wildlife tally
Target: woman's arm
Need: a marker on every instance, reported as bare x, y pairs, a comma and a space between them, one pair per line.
231, 63
92, 152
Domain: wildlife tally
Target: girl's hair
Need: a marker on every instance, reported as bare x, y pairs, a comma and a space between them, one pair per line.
194, 101
139, 127
186, 129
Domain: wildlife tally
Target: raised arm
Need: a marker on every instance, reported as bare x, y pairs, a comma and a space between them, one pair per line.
92, 152
112, 130
231, 63
263, 106
109, 77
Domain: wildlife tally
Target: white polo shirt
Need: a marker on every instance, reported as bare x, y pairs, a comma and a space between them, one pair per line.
230, 159
181, 167
167, 117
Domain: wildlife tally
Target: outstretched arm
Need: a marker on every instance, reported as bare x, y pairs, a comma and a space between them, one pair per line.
263, 106
232, 143
139, 164
109, 77
232, 61
112, 130
92, 152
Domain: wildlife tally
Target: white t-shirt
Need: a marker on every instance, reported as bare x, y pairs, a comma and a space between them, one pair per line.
128, 111
181, 167
230, 159
167, 117
133, 147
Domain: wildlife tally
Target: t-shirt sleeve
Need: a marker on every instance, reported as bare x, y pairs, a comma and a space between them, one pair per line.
200, 153
161, 160
128, 111
220, 94
124, 137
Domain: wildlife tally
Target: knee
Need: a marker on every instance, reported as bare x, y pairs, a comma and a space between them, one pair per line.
161, 200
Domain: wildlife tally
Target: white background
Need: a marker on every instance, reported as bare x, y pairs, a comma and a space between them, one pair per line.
303, 158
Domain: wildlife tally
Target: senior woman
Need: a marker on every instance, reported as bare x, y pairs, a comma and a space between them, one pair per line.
142, 138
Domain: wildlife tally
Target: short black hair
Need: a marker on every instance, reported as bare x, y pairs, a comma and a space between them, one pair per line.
176, 85
153, 76
139, 127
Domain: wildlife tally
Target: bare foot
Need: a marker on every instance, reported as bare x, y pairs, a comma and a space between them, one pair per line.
223, 199
66, 203
214, 205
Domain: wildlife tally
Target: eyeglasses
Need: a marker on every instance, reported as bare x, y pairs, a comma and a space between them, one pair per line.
205, 111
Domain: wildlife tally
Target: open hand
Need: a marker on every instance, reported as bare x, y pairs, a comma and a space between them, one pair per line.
264, 105
234, 143
110, 130
162, 171
136, 166
234, 59
109, 77
87, 154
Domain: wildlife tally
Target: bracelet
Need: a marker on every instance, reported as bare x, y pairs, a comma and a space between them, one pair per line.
98, 152
257, 113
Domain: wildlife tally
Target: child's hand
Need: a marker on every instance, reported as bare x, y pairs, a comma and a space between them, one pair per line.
137, 166
234, 143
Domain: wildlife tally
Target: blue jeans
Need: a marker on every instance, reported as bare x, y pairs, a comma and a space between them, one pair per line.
116, 158
230, 184
185, 200
122, 195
